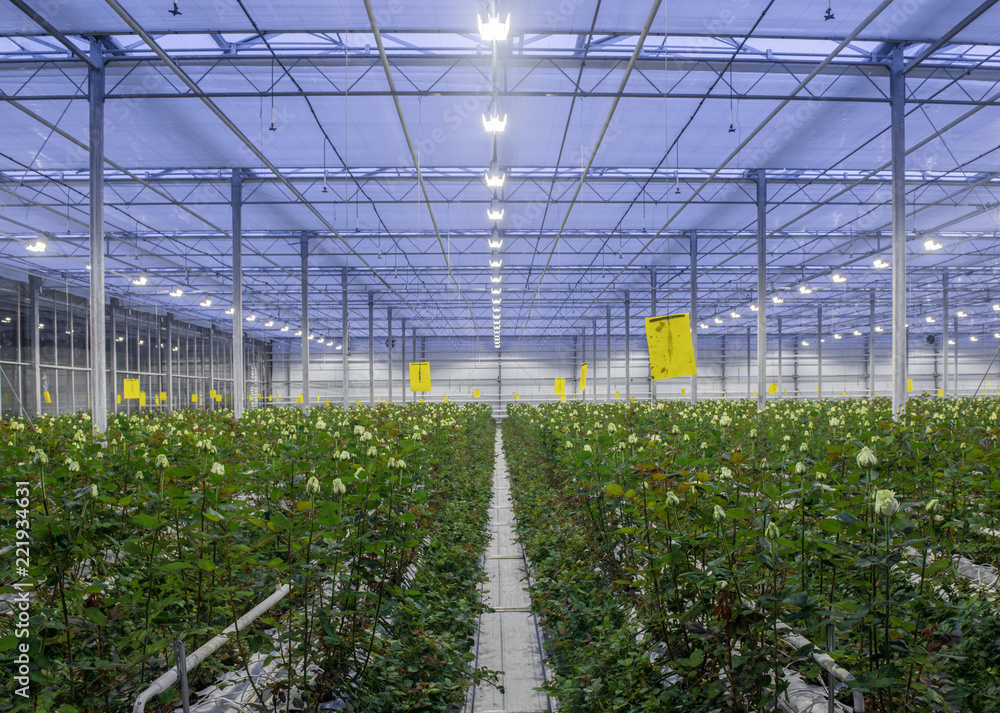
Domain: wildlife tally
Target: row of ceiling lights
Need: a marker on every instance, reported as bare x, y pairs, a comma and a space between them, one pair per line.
494, 31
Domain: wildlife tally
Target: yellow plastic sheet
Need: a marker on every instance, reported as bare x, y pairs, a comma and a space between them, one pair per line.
420, 376
48, 397
560, 387
476, 393
163, 396
583, 377
909, 386
446, 399
562, 398
671, 352
617, 395
194, 398
940, 393
772, 389
130, 388
118, 398
142, 398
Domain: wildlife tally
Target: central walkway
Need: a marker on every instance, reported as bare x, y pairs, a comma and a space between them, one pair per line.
509, 639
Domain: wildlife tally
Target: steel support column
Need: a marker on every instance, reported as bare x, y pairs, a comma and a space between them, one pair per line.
211, 371
371, 348
239, 374
169, 323
780, 347
304, 254
607, 315
346, 335
819, 352
761, 289
945, 295
955, 388
897, 96
871, 344
389, 343
113, 312
35, 288
402, 360
652, 313
628, 349
98, 336
693, 250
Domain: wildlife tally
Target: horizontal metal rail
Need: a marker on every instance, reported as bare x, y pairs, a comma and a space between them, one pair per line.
167, 679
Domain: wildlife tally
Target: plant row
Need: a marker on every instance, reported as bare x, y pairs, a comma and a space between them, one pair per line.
688, 537
177, 524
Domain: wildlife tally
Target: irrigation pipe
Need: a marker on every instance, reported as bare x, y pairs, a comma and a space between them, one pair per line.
167, 679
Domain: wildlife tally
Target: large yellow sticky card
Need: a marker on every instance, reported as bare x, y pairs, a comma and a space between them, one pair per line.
48, 397
118, 398
194, 398
142, 398
130, 388
420, 376
476, 393
446, 399
772, 389
909, 386
583, 377
562, 398
617, 395
299, 399
560, 387
163, 396
671, 351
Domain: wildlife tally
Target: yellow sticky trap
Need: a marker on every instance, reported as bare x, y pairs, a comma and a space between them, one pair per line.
684, 392
632, 399
118, 398
194, 398
130, 388
560, 387
843, 393
476, 393
617, 395
142, 398
563, 398
909, 386
446, 399
420, 376
583, 377
328, 402
671, 351
299, 399
772, 389
270, 397
218, 398
755, 394
940, 393
817, 388
229, 398
421, 400
48, 397
163, 396
785, 392
359, 402
318, 398
212, 393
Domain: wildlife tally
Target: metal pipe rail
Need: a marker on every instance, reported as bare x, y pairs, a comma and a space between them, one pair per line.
168, 678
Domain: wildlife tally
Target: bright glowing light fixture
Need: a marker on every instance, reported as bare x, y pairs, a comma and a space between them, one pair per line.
496, 300
495, 211
777, 300
880, 263
703, 325
177, 292
495, 244
961, 313
140, 280
285, 328
838, 278
269, 323
230, 310
496, 290
339, 346
718, 320
753, 308
495, 176
495, 264
805, 343
206, 303
973, 338
252, 317
931, 245
298, 333
492, 121
804, 289
312, 336
837, 336
495, 279
37, 247
735, 315
857, 332
951, 342
930, 320
493, 30
879, 329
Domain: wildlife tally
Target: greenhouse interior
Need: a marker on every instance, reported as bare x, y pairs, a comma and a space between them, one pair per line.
500, 356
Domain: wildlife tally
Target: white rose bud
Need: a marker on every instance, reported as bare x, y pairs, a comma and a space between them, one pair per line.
718, 515
886, 504
772, 533
161, 461
866, 458
218, 469
312, 485
338, 487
